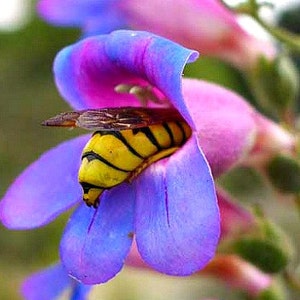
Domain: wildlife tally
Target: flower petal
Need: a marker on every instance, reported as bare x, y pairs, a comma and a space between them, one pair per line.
45, 189
240, 274
80, 291
93, 16
87, 73
177, 218
46, 284
184, 21
51, 283
224, 121
235, 219
96, 242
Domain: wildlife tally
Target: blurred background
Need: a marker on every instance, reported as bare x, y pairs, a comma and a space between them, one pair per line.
28, 96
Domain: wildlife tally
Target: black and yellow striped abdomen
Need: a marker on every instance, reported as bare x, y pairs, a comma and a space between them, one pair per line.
111, 157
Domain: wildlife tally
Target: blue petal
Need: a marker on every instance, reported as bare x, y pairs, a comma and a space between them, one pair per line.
93, 16
87, 73
80, 291
177, 218
51, 283
158, 60
96, 242
45, 189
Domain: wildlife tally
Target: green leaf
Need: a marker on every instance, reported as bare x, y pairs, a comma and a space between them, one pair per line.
289, 18
284, 173
217, 71
245, 184
275, 85
267, 247
275, 292
266, 255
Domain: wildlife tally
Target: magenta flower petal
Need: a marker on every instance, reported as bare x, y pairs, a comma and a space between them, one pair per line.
224, 121
87, 73
235, 219
51, 283
45, 189
177, 218
96, 242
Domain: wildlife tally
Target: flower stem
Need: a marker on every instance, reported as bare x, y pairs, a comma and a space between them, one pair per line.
289, 39
251, 8
292, 280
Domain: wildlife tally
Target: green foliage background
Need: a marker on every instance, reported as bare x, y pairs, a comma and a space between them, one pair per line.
27, 96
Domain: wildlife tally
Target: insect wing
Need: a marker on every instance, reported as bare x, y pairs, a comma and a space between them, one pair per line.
114, 118
67, 119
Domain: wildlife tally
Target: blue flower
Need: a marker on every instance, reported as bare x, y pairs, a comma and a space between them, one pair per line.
170, 208
52, 283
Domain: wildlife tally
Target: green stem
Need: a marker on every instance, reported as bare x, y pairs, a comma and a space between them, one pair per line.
290, 39
297, 201
293, 282
251, 8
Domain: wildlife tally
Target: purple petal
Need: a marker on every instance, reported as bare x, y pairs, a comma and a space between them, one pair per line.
96, 242
86, 73
93, 16
47, 284
46, 188
51, 283
177, 218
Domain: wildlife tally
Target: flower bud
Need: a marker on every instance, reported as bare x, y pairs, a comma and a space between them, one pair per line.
275, 85
238, 273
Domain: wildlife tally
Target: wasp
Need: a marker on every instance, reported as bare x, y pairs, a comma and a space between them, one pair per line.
125, 141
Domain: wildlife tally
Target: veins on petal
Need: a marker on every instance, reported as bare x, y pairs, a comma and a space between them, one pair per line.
92, 220
166, 201
84, 244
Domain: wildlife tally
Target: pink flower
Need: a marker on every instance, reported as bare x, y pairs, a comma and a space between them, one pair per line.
230, 130
204, 25
235, 219
233, 270
238, 273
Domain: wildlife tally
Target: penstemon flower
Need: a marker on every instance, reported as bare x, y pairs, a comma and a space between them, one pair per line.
240, 274
163, 209
52, 283
171, 207
235, 219
229, 268
204, 25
